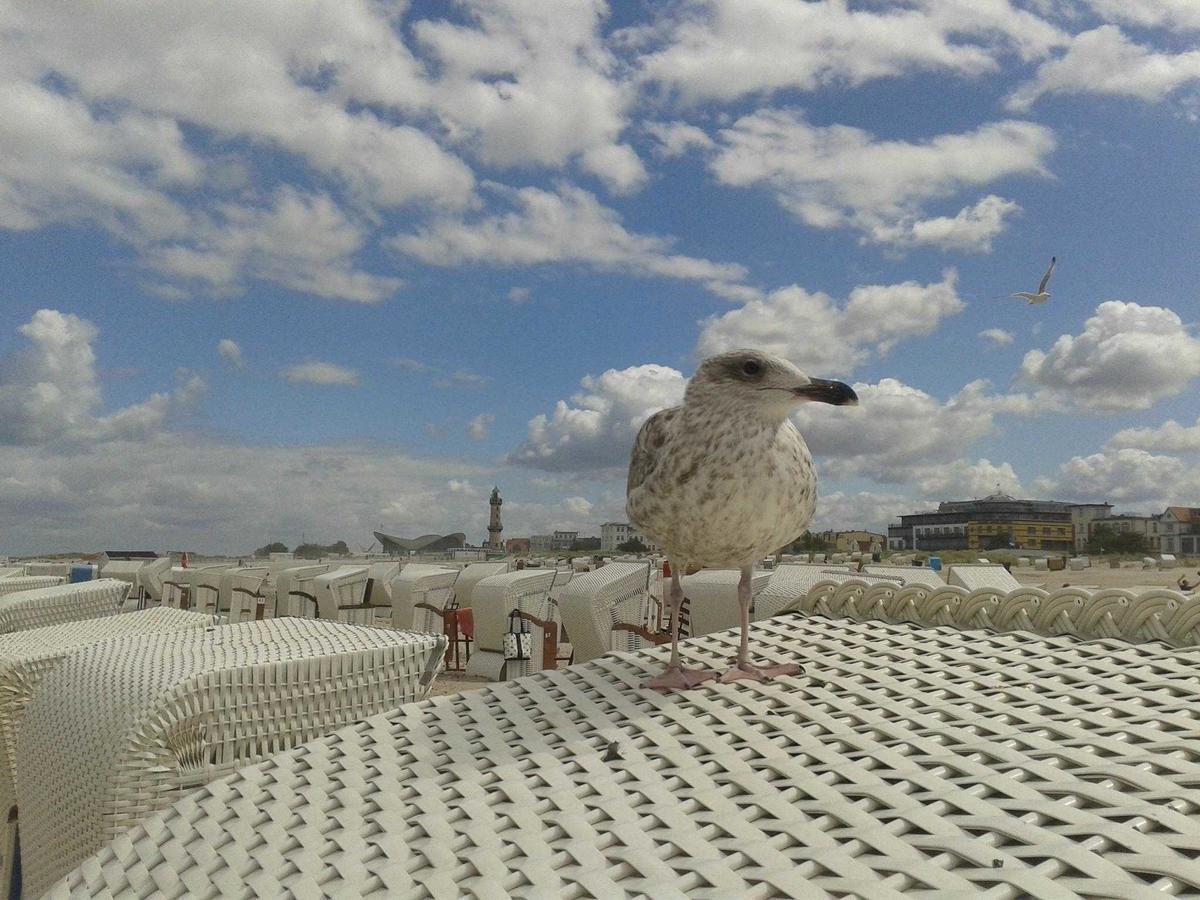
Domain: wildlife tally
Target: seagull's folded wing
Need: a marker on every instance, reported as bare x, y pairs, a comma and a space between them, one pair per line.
648, 449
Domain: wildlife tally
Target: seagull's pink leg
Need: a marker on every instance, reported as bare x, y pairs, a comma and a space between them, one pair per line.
743, 668
675, 677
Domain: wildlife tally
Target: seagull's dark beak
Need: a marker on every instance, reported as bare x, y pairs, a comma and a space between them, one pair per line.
823, 391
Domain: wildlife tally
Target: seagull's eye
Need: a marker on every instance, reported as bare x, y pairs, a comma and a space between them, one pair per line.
751, 367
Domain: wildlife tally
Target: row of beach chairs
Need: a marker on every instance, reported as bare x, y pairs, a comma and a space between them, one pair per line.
572, 783
108, 713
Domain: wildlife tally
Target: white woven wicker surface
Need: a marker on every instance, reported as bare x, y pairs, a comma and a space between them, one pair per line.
907, 760
472, 575
907, 574
120, 729
44, 606
790, 582
975, 577
27, 583
25, 658
11, 571
1155, 615
340, 596
492, 601
240, 606
711, 599
296, 578
200, 585
421, 584
593, 602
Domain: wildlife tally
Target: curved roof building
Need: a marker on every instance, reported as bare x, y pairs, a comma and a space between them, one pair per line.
426, 543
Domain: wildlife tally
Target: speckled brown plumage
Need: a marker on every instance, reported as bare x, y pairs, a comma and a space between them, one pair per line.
725, 478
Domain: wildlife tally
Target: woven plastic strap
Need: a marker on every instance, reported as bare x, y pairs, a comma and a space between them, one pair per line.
906, 760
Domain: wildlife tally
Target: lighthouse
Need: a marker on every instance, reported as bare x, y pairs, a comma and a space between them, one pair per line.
495, 529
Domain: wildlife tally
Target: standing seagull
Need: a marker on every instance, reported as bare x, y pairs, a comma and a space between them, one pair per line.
1042, 294
725, 479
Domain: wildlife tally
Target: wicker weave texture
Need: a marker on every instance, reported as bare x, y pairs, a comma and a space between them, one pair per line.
975, 577
712, 602
464, 585
907, 574
790, 582
592, 603
28, 583
121, 729
492, 602
26, 657
1155, 615
418, 585
45, 606
907, 760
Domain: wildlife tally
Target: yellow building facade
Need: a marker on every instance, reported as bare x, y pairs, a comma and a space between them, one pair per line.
1020, 535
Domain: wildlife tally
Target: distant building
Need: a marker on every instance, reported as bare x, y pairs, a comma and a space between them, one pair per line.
614, 534
517, 546
1082, 515
426, 543
998, 521
495, 539
1179, 531
854, 541
546, 543
1147, 526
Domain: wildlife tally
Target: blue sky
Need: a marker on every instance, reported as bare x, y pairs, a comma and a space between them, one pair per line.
327, 268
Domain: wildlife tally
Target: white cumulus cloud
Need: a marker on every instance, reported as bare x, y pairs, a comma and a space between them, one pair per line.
998, 337
900, 434
325, 374
230, 351
838, 176
1128, 356
823, 338
1105, 61
726, 49
595, 430
480, 427
1127, 475
50, 390
565, 226
1169, 437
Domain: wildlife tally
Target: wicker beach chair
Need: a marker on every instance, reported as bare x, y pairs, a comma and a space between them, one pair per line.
603, 610
975, 577
379, 590
194, 587
492, 602
179, 709
26, 657
243, 594
910, 761
792, 581
906, 574
340, 596
291, 586
40, 607
710, 599
470, 576
28, 583
420, 594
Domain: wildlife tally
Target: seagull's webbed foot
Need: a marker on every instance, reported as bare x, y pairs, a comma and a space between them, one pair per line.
744, 670
680, 679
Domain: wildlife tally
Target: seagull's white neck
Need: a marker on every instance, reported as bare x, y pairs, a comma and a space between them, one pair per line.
770, 409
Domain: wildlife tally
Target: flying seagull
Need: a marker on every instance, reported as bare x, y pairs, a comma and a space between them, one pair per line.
1042, 294
724, 479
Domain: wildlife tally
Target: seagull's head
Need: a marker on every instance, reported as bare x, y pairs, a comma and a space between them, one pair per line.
754, 379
